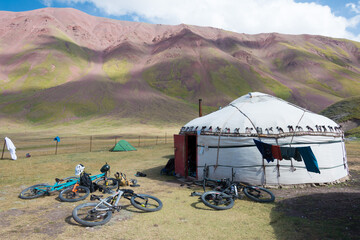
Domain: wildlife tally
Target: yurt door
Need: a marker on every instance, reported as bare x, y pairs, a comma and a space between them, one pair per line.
180, 154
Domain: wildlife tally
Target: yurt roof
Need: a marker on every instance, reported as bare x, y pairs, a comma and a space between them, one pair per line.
259, 110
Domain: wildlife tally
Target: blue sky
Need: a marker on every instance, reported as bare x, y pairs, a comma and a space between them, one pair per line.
334, 18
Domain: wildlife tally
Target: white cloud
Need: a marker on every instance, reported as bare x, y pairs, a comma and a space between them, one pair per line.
47, 2
244, 16
354, 8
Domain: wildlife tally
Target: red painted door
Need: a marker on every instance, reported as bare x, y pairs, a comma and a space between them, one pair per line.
180, 155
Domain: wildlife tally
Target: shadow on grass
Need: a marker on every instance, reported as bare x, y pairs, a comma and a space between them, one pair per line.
155, 173
333, 215
71, 221
6, 159
201, 206
125, 213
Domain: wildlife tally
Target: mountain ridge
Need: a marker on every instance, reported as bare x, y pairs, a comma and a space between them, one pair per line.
154, 72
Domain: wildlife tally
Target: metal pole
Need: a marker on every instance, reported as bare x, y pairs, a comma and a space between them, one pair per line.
56, 147
90, 142
2, 155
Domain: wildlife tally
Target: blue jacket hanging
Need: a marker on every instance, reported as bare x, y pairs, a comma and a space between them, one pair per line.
265, 150
309, 159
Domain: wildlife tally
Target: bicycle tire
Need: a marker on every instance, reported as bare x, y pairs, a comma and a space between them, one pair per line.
81, 215
259, 194
67, 195
32, 192
217, 200
112, 183
146, 202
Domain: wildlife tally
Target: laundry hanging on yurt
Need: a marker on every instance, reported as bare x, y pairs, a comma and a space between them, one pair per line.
269, 152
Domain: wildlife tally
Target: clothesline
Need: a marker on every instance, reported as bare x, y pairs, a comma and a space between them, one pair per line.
271, 152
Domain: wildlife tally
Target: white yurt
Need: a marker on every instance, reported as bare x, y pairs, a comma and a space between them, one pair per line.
223, 143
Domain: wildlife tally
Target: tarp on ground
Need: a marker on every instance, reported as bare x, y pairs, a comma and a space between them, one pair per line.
122, 146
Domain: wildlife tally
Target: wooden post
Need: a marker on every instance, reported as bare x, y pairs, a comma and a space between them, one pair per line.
90, 142
2, 155
139, 142
56, 147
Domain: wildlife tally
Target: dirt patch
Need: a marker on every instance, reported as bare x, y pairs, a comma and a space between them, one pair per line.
4, 216
45, 220
348, 125
123, 215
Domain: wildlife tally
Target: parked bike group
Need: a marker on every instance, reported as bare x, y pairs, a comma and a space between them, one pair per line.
72, 189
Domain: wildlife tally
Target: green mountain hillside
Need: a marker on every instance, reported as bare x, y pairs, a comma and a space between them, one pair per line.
346, 112
58, 65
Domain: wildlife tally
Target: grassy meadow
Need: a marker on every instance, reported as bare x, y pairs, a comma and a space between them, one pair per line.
182, 216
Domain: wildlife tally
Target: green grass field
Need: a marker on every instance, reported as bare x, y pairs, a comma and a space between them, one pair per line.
182, 216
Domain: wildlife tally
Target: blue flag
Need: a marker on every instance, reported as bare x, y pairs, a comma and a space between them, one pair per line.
57, 139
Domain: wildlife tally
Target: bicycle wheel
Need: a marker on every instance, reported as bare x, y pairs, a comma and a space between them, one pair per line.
34, 191
146, 202
68, 195
217, 200
259, 194
87, 215
109, 183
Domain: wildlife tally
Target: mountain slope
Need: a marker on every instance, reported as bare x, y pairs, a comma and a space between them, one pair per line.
348, 113
62, 64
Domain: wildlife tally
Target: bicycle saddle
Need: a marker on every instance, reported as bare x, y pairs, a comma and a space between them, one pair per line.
95, 197
57, 180
127, 190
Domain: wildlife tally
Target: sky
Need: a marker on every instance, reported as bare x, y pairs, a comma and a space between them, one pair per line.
333, 18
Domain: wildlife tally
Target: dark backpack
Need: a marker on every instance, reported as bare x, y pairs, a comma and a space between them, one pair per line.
85, 181
169, 168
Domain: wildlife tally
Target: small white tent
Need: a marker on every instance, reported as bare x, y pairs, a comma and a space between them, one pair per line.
224, 142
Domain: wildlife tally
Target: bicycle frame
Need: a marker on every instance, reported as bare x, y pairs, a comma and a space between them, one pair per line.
232, 188
110, 206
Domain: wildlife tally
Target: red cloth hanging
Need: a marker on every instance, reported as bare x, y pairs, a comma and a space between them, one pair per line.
275, 149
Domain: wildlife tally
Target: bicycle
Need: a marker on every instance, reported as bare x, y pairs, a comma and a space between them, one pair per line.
80, 192
62, 185
94, 214
70, 188
223, 195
